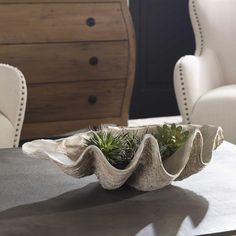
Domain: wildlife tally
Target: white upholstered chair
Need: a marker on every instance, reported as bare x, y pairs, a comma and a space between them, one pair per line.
13, 95
205, 84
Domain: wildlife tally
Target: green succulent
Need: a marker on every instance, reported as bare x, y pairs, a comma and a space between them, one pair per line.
119, 149
170, 138
110, 144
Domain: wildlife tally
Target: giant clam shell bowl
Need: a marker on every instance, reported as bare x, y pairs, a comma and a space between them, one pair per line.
145, 172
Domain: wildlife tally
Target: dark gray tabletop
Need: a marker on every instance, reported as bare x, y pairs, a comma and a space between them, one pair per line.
36, 198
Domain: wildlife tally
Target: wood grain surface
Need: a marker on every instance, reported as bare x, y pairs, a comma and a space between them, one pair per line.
55, 1
61, 128
40, 23
131, 63
68, 61
71, 100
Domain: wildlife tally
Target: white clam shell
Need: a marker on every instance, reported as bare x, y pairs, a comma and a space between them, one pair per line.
145, 172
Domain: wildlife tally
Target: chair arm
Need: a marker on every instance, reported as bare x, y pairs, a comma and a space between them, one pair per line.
13, 95
193, 77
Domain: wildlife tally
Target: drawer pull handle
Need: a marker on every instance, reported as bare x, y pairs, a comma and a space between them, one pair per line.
92, 99
93, 61
91, 21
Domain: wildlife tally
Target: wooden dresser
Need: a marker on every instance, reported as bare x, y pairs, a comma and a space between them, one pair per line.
78, 58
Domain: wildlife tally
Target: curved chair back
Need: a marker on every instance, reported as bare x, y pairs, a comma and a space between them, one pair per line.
13, 96
214, 24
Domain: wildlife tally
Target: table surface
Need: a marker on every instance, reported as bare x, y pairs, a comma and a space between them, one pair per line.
36, 198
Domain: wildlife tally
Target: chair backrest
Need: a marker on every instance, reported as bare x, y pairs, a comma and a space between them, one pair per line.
13, 96
214, 24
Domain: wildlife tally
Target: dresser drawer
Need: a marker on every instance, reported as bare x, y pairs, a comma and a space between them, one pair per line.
74, 101
56, 1
61, 22
68, 61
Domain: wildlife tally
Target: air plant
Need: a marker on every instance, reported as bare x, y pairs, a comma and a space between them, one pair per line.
131, 144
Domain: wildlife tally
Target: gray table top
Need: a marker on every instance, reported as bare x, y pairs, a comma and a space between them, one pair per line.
36, 198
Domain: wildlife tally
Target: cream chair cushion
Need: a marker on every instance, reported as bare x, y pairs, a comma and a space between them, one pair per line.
7, 132
215, 107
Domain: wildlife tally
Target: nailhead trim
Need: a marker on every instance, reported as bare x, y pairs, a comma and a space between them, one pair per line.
20, 117
185, 102
199, 27
22, 103
184, 93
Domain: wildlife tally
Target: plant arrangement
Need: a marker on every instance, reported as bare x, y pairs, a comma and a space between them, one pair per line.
151, 169
119, 149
